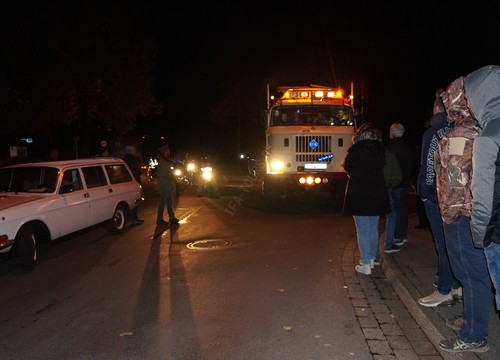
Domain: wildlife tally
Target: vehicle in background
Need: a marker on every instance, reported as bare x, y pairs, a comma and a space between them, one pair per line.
41, 202
308, 132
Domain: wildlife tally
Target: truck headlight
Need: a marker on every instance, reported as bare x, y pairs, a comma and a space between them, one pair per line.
277, 165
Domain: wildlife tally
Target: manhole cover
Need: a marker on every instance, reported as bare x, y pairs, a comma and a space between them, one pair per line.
207, 244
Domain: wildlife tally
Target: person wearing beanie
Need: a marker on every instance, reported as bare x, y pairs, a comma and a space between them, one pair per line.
135, 166
399, 195
366, 197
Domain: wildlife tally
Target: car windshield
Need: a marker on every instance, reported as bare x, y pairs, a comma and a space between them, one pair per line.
315, 115
33, 179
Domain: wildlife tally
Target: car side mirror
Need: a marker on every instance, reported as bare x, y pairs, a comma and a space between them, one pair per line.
67, 188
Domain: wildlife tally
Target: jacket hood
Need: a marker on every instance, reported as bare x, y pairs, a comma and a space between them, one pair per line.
481, 89
367, 131
439, 120
454, 101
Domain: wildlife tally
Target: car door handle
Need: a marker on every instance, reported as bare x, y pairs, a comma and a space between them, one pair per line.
87, 195
110, 190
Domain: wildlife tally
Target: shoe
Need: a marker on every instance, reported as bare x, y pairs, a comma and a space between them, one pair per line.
373, 263
435, 283
174, 220
162, 223
457, 294
137, 222
455, 323
400, 242
393, 249
436, 299
364, 269
455, 345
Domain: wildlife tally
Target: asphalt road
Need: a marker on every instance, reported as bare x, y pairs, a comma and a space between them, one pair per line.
231, 281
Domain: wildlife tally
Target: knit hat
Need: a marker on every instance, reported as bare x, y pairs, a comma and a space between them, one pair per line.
367, 131
396, 130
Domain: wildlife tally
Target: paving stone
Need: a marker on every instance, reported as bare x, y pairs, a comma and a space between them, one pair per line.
379, 347
380, 309
367, 322
391, 329
385, 318
406, 355
373, 333
398, 342
364, 311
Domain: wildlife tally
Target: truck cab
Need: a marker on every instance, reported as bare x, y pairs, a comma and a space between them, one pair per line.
309, 130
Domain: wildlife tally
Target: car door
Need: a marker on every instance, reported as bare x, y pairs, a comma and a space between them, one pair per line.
74, 212
100, 194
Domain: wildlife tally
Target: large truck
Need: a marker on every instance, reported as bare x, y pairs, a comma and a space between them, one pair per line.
308, 132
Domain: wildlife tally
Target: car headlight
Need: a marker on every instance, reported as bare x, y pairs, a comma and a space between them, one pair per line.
207, 175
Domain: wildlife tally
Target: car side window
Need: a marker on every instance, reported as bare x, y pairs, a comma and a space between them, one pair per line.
71, 181
94, 176
118, 173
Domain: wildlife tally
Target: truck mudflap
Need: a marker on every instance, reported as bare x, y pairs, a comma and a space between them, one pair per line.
276, 189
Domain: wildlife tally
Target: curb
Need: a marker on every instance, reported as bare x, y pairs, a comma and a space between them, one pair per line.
425, 318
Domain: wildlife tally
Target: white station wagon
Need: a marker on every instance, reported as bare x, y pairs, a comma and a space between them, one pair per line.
43, 201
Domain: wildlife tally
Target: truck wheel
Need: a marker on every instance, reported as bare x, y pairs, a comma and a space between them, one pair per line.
117, 223
26, 247
274, 196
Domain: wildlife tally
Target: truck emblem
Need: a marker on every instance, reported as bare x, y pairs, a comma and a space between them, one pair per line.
313, 144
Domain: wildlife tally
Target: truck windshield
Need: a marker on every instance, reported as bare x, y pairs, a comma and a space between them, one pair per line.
326, 115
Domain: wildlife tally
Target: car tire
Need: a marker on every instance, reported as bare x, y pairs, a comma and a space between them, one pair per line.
26, 248
119, 220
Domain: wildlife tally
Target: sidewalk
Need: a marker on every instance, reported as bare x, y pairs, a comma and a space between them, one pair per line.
411, 273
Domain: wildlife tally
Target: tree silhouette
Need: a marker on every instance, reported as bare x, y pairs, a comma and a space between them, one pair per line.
76, 66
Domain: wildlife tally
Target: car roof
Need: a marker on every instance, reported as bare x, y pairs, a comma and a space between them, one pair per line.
62, 164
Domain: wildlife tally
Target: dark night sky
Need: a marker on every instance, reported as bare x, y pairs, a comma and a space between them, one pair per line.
396, 55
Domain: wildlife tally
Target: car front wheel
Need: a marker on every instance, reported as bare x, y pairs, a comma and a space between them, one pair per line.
26, 245
118, 221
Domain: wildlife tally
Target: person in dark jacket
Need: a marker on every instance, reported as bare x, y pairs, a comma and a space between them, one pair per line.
482, 90
366, 196
447, 285
135, 166
166, 185
399, 194
454, 172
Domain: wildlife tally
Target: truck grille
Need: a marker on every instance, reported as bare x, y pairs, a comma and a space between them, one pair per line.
309, 148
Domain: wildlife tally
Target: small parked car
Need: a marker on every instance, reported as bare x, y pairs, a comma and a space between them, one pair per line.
43, 201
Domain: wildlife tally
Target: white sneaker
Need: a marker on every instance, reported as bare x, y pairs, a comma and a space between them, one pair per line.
436, 299
399, 242
457, 294
364, 269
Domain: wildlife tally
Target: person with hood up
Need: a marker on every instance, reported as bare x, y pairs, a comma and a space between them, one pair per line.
453, 180
482, 90
366, 196
447, 285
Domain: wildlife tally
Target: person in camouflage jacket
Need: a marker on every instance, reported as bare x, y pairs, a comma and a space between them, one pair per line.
453, 166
